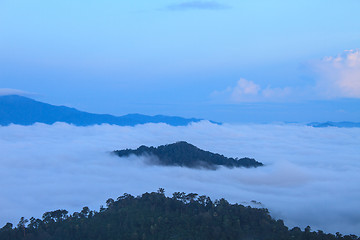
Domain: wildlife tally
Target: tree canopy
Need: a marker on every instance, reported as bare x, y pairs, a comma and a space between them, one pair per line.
158, 217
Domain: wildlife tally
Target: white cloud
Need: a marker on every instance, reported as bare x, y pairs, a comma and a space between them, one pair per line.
336, 77
249, 91
339, 76
10, 91
310, 178
245, 90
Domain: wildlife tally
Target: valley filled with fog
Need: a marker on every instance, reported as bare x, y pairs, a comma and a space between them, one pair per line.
310, 175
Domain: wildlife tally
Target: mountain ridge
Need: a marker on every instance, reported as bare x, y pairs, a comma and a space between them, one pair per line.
15, 109
343, 124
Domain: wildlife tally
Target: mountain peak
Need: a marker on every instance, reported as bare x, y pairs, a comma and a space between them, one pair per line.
184, 154
12, 97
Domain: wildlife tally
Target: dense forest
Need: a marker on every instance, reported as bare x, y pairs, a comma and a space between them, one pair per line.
155, 216
187, 155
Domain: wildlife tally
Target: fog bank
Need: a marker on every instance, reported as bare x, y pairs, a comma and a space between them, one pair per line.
310, 178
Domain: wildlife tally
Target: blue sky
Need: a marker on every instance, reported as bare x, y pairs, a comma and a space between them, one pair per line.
224, 60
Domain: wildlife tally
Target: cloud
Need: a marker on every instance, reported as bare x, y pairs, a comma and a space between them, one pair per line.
244, 90
197, 5
335, 77
310, 178
339, 77
9, 91
249, 91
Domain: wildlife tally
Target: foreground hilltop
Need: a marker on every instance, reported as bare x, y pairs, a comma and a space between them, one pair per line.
21, 110
153, 216
184, 154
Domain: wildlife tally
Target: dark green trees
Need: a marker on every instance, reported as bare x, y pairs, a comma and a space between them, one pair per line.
186, 155
153, 216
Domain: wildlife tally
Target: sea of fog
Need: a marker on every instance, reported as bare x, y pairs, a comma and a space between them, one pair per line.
311, 175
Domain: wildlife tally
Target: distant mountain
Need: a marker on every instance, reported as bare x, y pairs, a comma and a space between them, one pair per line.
334, 124
20, 110
187, 155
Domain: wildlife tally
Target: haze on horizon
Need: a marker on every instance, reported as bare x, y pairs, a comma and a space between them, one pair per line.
228, 61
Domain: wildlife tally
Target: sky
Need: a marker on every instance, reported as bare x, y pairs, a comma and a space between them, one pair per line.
228, 61
310, 178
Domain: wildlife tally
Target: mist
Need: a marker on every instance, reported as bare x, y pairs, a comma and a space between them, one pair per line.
310, 175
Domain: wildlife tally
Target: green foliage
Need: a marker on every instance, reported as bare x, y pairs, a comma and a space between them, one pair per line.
155, 216
186, 155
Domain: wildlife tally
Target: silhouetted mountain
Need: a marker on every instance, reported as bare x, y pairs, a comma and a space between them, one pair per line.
334, 124
25, 111
186, 155
153, 216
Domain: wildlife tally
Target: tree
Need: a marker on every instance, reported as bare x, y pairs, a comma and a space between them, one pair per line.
22, 223
161, 191
58, 215
191, 197
179, 196
8, 226
109, 202
202, 200
34, 223
85, 212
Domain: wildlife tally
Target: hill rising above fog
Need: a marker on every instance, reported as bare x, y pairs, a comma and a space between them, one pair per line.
20, 110
184, 154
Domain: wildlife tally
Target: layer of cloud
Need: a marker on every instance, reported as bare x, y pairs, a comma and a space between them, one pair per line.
249, 91
310, 178
197, 5
339, 76
10, 91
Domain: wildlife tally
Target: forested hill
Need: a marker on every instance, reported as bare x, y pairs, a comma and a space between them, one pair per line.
187, 155
26, 111
153, 216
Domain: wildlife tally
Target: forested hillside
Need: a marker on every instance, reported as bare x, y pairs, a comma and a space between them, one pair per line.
157, 217
187, 155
